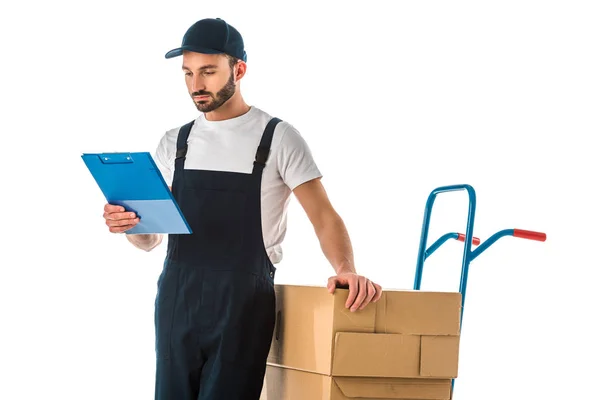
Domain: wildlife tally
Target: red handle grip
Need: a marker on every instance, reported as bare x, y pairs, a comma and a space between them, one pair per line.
520, 233
462, 237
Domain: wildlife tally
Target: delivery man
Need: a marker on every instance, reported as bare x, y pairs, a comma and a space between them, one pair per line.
231, 170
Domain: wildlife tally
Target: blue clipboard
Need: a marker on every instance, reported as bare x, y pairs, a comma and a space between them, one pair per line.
133, 180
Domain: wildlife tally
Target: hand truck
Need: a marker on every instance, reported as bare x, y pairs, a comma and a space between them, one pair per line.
467, 238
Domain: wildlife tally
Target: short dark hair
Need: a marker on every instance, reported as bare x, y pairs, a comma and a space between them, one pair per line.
232, 60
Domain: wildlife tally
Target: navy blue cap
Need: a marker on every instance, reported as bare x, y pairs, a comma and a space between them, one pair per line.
211, 36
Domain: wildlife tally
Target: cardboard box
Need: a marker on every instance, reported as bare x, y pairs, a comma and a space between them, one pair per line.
290, 384
403, 347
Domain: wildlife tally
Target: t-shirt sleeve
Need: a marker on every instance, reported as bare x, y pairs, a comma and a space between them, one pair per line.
295, 160
164, 160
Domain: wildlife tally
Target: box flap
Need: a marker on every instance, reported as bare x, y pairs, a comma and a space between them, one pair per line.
416, 312
378, 355
394, 388
439, 356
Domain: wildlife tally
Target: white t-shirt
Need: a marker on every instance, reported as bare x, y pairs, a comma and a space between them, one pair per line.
231, 145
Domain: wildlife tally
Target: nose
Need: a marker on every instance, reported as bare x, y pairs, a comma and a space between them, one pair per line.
197, 84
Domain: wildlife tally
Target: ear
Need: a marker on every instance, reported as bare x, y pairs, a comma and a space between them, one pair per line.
239, 70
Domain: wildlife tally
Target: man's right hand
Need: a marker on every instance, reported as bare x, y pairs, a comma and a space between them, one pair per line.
117, 220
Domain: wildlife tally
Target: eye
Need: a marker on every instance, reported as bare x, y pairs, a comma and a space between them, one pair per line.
209, 73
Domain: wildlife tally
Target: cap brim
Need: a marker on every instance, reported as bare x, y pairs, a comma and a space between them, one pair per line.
179, 51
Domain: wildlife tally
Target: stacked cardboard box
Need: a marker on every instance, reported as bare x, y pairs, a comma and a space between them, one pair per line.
405, 346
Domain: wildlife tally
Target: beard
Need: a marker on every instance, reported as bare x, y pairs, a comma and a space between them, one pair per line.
224, 94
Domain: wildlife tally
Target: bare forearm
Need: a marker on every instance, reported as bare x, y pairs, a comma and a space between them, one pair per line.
145, 242
335, 244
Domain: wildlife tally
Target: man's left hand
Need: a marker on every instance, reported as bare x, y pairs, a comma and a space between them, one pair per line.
362, 290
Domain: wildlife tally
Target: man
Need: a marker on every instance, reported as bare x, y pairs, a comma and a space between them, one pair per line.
231, 170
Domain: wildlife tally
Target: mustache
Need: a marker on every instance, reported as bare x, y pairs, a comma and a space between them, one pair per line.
201, 93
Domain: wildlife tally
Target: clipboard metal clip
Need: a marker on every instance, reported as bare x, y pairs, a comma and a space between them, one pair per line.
115, 158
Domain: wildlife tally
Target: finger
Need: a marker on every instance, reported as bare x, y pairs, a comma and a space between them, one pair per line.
353, 290
119, 215
370, 294
331, 283
120, 229
111, 208
362, 293
378, 293
122, 222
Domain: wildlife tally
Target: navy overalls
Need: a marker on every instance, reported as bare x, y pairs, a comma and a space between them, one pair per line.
215, 304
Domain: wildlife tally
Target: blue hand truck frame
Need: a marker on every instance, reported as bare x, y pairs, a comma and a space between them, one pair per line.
468, 254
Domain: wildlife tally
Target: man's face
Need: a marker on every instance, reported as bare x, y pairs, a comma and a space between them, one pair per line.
209, 79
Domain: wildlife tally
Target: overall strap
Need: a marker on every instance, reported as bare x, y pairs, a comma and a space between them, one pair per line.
264, 148
182, 138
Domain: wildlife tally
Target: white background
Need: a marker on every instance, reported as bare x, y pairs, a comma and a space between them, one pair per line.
394, 98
